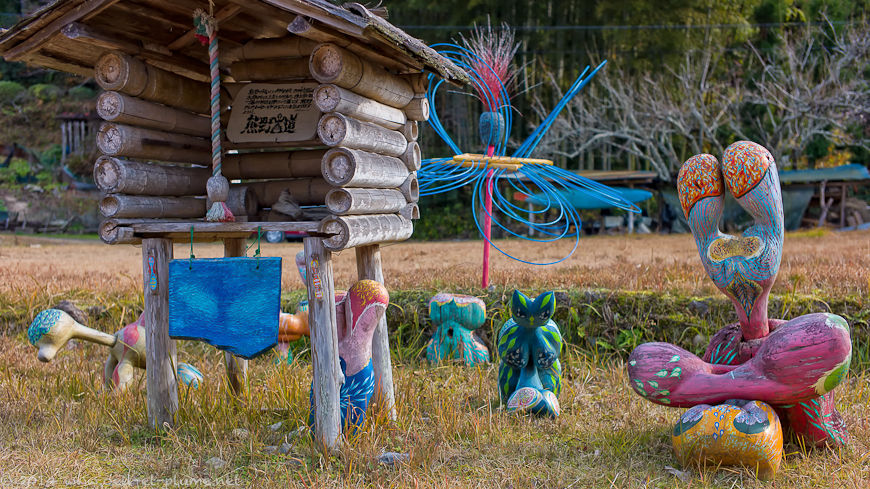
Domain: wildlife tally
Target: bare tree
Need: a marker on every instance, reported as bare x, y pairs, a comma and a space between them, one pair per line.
811, 87
661, 118
804, 88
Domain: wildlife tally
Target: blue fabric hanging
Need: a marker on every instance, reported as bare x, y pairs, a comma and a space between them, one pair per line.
230, 303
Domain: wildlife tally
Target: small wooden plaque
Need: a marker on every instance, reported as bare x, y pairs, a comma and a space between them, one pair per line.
274, 113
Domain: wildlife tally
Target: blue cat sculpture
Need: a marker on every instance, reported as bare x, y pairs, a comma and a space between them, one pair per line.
529, 344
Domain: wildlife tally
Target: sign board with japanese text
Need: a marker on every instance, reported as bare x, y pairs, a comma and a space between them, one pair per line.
274, 113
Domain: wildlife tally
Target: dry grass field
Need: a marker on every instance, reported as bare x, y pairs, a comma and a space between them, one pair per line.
836, 263
60, 428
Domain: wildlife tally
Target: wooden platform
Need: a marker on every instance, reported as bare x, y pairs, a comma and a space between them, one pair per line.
133, 231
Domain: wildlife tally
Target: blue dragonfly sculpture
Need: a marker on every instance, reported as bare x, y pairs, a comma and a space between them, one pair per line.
486, 58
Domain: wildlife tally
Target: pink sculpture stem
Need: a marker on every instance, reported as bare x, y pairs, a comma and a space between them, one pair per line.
801, 360
487, 221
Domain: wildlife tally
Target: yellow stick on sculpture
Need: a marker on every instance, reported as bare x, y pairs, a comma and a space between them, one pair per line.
498, 162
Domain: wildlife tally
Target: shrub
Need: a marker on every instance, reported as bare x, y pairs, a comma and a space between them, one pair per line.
9, 91
45, 92
81, 93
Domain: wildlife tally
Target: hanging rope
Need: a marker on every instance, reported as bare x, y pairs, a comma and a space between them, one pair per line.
218, 187
192, 256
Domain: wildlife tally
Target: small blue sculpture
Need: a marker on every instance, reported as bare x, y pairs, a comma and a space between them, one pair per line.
456, 317
530, 376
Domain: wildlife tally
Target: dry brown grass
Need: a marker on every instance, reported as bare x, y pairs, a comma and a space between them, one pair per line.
836, 263
58, 424
58, 427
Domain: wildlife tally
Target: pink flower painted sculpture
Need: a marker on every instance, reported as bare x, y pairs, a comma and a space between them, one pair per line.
357, 313
792, 365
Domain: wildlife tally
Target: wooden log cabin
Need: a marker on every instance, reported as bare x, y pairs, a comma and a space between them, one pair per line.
319, 113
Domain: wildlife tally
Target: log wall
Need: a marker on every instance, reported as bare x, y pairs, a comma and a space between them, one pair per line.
157, 152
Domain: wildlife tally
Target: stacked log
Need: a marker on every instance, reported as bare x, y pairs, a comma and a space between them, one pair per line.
157, 150
352, 231
152, 118
271, 69
285, 47
273, 164
120, 72
370, 123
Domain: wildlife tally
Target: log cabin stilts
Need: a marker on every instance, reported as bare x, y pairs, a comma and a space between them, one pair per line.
318, 103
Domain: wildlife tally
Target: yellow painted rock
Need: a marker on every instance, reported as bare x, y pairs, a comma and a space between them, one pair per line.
738, 432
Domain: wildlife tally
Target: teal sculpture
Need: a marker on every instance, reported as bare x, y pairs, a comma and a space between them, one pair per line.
529, 344
456, 317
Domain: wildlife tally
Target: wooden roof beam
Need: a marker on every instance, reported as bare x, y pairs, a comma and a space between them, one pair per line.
315, 31
317, 9
48, 32
223, 14
178, 63
84, 33
54, 63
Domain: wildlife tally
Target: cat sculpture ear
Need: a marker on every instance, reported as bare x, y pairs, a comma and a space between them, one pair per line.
532, 313
520, 304
545, 306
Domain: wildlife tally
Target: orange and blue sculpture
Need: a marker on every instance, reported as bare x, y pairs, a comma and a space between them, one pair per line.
736, 432
791, 365
293, 326
456, 317
51, 329
357, 313
529, 345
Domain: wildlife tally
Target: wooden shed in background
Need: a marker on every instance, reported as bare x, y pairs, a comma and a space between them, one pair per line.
319, 112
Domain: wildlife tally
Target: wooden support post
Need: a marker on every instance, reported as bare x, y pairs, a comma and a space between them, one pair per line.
162, 390
368, 266
237, 368
324, 343
843, 190
824, 205
64, 130
531, 220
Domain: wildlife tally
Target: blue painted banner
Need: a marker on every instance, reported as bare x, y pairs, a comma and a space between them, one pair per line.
230, 303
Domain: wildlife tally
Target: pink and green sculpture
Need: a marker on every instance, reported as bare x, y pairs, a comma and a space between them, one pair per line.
529, 345
456, 317
52, 329
792, 365
357, 313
